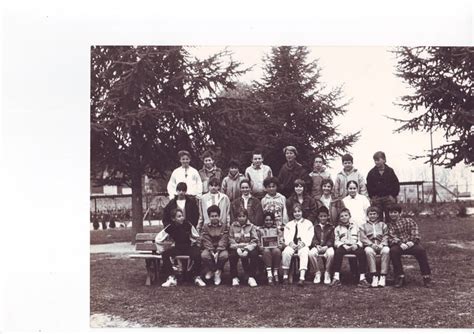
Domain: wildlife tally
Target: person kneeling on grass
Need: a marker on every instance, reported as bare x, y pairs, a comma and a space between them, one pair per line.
243, 245
271, 255
346, 241
297, 236
322, 244
214, 240
374, 237
404, 238
186, 240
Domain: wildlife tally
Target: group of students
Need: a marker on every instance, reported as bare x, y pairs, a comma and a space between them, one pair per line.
307, 214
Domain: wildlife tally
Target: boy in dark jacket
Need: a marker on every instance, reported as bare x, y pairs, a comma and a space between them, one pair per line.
290, 171
214, 241
322, 244
184, 202
382, 185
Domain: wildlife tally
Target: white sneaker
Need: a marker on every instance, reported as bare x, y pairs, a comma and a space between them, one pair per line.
171, 281
199, 282
252, 282
235, 281
327, 278
375, 281
217, 277
382, 281
209, 275
317, 278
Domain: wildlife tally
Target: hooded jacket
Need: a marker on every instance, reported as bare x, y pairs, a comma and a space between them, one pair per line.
374, 233
243, 236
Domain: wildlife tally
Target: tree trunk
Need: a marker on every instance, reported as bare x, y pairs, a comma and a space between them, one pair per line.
137, 206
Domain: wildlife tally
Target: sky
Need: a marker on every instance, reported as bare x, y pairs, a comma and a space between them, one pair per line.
367, 75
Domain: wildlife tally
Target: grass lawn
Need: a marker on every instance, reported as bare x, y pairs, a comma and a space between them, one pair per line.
118, 290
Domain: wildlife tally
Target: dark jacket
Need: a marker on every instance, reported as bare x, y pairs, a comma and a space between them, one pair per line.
287, 177
323, 236
184, 235
191, 211
254, 208
309, 207
382, 185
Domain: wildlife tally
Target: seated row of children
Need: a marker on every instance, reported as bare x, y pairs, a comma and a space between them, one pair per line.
242, 240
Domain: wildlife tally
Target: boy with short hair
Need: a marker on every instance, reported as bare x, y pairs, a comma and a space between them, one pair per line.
317, 175
348, 173
187, 174
275, 202
213, 197
404, 238
322, 244
374, 237
382, 185
209, 171
214, 241
256, 173
231, 183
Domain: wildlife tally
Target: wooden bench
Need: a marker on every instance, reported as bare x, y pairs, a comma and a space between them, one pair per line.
145, 248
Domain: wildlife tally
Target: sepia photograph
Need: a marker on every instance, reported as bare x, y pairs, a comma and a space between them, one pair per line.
224, 179
265, 166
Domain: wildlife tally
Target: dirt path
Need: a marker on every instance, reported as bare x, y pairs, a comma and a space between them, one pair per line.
116, 247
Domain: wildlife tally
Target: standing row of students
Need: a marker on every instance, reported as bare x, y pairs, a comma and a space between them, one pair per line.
247, 202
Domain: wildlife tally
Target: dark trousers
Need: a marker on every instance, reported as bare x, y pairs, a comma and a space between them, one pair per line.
249, 263
360, 257
417, 251
383, 202
193, 252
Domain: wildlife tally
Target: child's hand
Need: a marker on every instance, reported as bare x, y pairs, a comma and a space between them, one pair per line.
239, 252
300, 244
353, 247
403, 246
346, 247
245, 253
410, 244
323, 249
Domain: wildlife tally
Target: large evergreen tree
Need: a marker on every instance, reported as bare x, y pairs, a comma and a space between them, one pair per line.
295, 108
442, 79
146, 104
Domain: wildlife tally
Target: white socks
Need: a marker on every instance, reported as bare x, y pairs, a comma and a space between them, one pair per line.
336, 275
362, 277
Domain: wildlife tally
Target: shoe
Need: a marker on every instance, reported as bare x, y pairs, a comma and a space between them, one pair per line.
363, 284
235, 281
270, 280
400, 282
276, 279
171, 281
199, 282
209, 275
382, 281
301, 282
285, 281
317, 278
427, 282
252, 283
335, 282
327, 278
375, 281
217, 277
